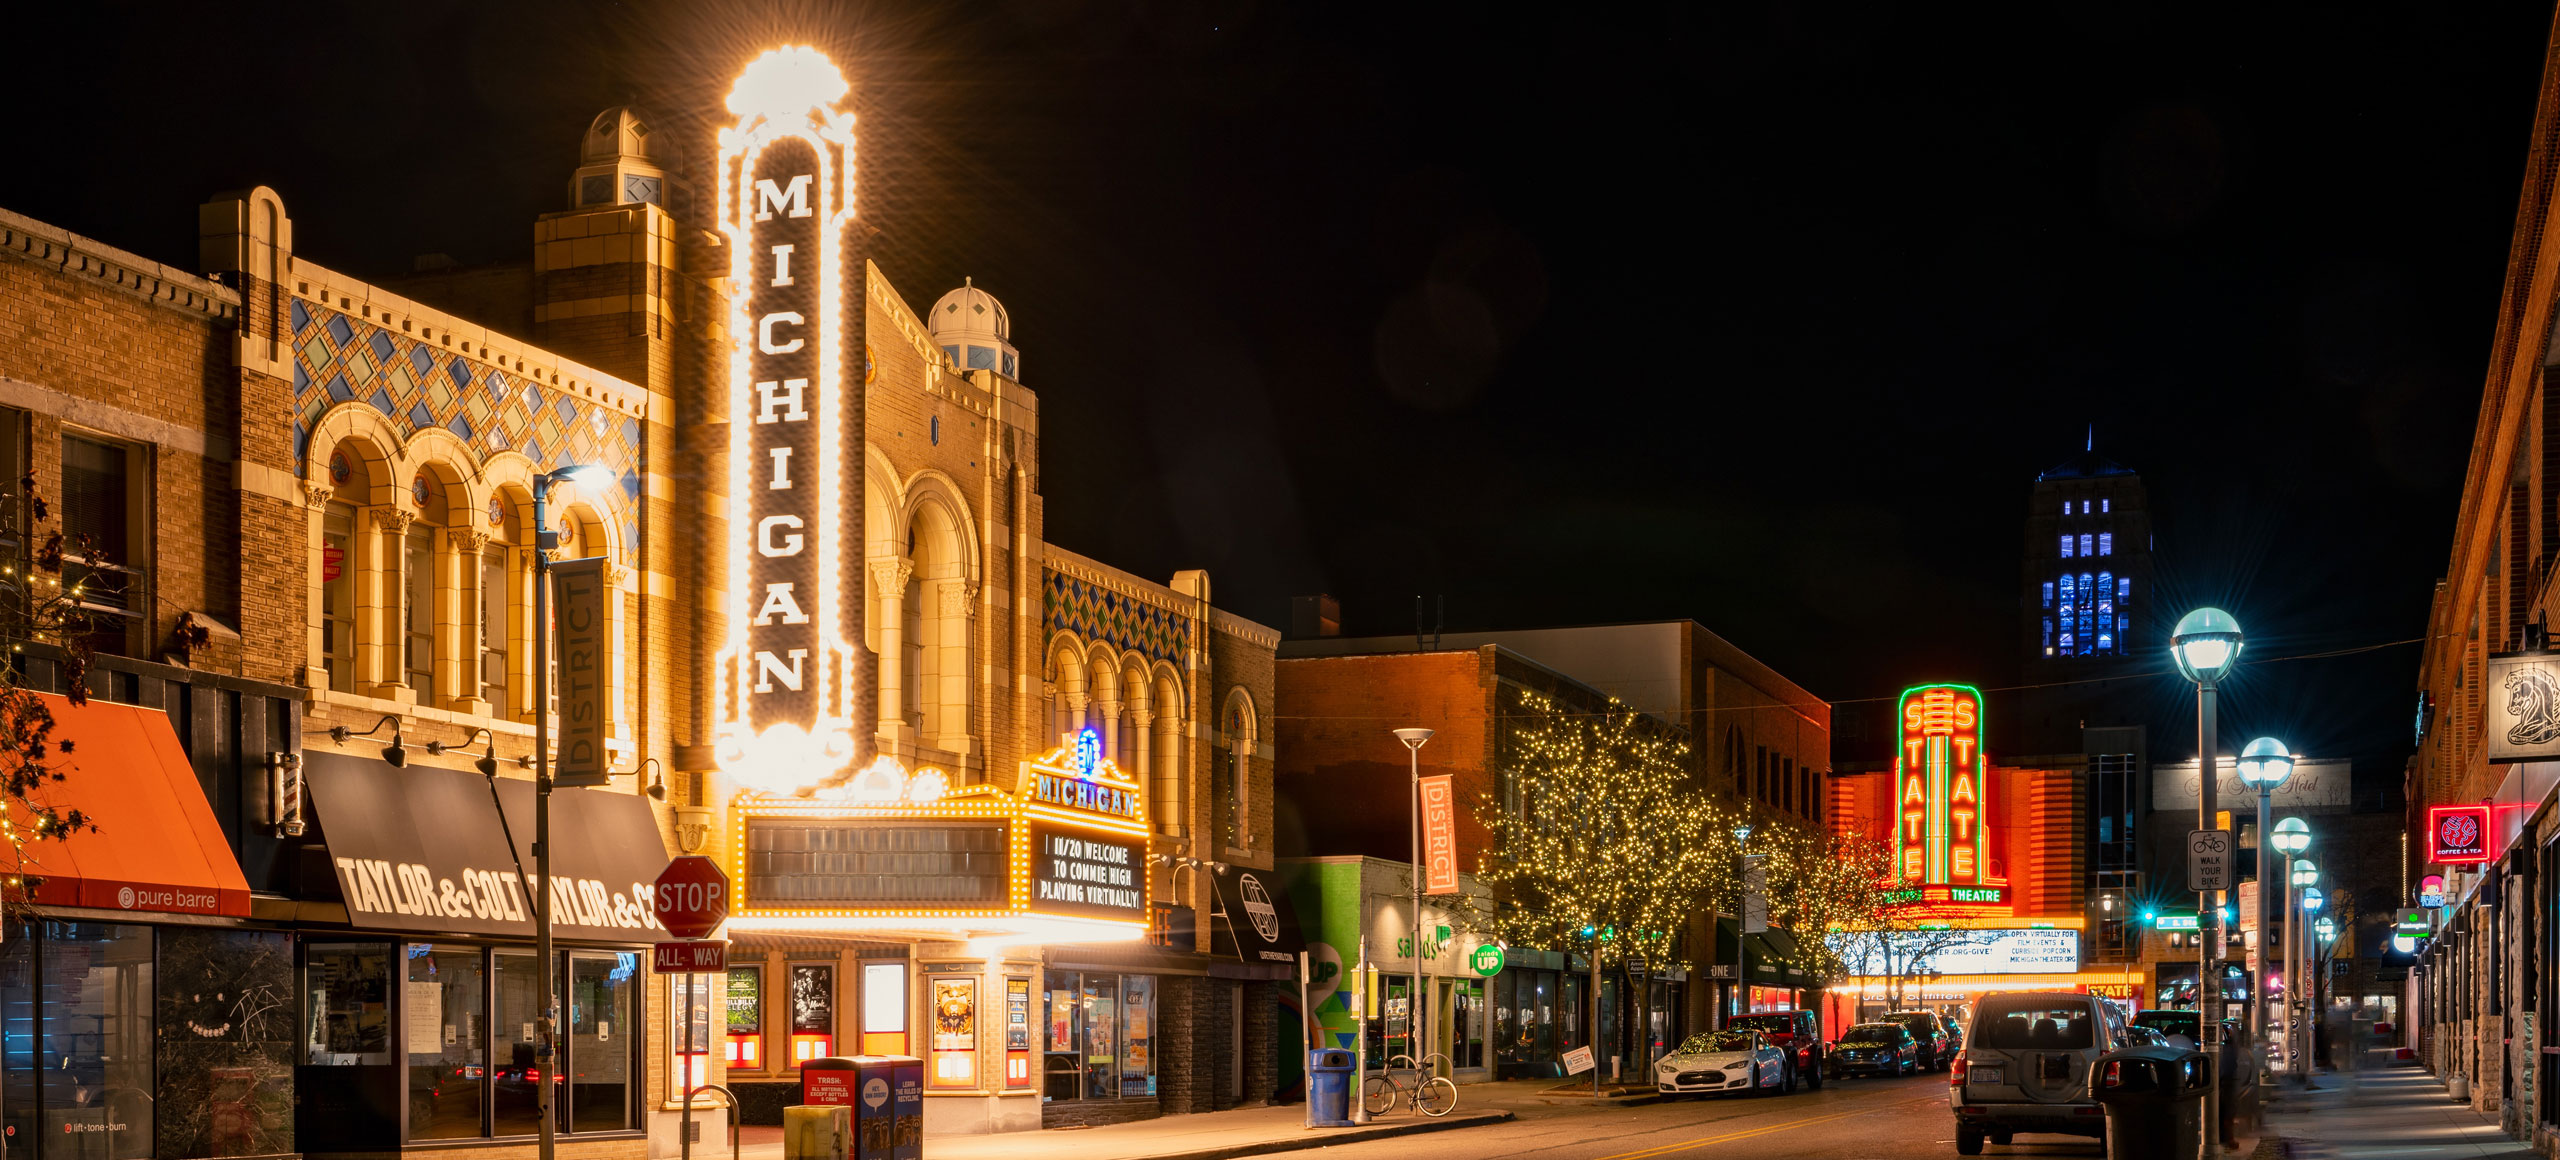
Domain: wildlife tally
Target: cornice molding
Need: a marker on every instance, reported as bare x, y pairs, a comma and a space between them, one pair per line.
132, 273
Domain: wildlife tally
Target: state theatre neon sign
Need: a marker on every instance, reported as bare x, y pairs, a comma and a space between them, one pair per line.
783, 685
1941, 833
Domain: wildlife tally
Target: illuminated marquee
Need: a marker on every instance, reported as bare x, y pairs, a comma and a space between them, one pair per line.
783, 686
1070, 844
1941, 840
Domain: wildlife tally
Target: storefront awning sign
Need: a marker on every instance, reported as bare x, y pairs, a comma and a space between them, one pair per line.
422, 850
2459, 834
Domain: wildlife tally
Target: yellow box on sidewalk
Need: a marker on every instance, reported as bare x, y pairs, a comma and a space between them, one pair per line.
817, 1132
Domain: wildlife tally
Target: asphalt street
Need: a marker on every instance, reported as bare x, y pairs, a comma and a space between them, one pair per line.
1855, 1119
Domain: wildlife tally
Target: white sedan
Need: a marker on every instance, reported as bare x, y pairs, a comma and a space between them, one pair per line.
1724, 1061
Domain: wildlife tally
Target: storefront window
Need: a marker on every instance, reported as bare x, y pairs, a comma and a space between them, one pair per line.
519, 1003
1470, 1013
746, 1018
1101, 1037
689, 1003
600, 1036
1062, 1066
348, 1016
1137, 1036
447, 1041
813, 1011
92, 1097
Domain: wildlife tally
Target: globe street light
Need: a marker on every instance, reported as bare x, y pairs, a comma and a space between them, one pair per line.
2206, 643
2290, 837
2264, 764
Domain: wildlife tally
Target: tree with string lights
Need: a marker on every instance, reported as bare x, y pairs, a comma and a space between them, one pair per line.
1603, 844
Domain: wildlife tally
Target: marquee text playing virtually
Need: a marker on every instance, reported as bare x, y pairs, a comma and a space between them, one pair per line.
1089, 873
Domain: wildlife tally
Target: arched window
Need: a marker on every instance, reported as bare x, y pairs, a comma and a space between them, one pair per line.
1234, 788
504, 614
1164, 773
933, 629
418, 573
338, 595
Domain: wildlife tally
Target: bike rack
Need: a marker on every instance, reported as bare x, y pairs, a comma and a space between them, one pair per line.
685, 1134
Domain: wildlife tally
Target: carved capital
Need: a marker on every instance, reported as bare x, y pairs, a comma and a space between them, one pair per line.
465, 540
391, 517
615, 574
958, 598
317, 494
891, 573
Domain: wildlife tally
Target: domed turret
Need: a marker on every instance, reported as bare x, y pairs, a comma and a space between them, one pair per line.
973, 328
623, 160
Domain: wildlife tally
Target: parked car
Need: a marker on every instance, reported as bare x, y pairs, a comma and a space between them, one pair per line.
1725, 1061
1798, 1033
1876, 1049
1939, 1041
2025, 1067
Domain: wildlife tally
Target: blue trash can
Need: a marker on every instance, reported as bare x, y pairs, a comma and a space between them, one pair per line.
1329, 1088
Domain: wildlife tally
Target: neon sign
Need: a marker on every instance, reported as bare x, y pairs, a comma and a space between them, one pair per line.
783, 685
1941, 842
2461, 834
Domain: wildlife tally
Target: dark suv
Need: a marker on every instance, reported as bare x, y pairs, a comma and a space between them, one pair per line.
1798, 1033
1937, 1037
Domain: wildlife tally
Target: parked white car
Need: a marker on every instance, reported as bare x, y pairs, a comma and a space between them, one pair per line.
1724, 1061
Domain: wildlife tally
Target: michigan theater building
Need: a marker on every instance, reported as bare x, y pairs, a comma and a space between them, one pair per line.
981, 800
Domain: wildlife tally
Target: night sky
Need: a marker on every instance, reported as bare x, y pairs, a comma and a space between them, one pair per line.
1760, 315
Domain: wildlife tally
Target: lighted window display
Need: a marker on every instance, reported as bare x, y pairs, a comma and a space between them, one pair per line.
601, 1093
746, 1018
2066, 545
2106, 543
813, 1011
689, 1002
1101, 1036
2048, 593
92, 1032
2084, 545
1941, 836
1017, 1033
955, 1032
884, 1008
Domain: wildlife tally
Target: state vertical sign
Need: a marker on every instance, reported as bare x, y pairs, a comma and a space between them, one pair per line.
785, 687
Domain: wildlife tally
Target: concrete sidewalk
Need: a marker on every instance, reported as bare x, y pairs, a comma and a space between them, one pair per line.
1241, 1132
2399, 1111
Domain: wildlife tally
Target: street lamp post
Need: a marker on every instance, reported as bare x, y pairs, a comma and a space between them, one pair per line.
2264, 764
546, 1044
2290, 837
2305, 876
1413, 740
2206, 643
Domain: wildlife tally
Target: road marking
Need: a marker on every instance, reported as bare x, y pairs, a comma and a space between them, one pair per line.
1684, 1145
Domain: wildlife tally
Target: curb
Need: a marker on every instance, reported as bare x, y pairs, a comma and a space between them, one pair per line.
1328, 1137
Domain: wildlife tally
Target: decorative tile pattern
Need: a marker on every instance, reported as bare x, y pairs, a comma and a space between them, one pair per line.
339, 359
1096, 613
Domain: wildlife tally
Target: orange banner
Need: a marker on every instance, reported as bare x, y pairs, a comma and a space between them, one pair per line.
1439, 835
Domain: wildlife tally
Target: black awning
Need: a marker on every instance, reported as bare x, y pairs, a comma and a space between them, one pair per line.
422, 850
1254, 922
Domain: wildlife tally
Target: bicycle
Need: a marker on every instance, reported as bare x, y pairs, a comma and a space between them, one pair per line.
1434, 1096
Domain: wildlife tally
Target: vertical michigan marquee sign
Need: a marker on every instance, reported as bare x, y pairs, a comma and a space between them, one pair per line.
785, 687
1941, 843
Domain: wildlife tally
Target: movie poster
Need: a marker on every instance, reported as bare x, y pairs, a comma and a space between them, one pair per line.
955, 1014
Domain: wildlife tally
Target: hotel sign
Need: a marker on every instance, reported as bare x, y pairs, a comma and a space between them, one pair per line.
784, 686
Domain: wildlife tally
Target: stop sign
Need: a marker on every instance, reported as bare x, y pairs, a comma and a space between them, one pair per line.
692, 897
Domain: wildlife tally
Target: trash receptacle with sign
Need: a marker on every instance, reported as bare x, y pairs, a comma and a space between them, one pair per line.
2154, 1101
1329, 1088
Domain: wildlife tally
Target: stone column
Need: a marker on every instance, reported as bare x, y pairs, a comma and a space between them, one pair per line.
889, 574
381, 546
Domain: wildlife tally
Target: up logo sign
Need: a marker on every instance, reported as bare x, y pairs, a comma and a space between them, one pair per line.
785, 686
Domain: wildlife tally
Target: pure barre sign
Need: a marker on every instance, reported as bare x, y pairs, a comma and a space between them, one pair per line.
785, 685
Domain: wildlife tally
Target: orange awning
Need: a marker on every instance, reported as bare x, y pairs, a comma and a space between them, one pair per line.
157, 846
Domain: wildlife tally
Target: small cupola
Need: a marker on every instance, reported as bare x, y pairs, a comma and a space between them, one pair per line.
972, 328
624, 160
